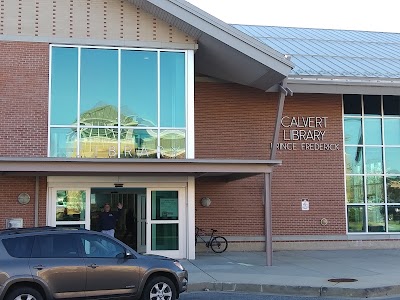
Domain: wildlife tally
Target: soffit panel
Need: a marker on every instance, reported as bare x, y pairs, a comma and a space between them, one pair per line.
87, 19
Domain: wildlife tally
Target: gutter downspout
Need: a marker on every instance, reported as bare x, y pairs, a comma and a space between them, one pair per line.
284, 91
37, 202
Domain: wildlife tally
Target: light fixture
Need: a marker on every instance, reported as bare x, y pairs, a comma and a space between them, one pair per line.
205, 201
24, 198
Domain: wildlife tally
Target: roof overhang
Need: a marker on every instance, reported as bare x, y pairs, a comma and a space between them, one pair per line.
342, 85
227, 169
224, 52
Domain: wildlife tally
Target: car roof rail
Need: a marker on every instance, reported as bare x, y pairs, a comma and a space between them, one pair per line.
10, 231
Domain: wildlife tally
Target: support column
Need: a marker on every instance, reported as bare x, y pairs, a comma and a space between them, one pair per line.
37, 202
268, 217
284, 91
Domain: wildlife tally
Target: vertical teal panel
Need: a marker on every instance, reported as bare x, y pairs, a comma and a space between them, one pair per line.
64, 86
172, 89
63, 142
99, 87
139, 91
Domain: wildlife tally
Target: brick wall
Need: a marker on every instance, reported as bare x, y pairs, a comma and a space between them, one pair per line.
23, 98
11, 188
233, 121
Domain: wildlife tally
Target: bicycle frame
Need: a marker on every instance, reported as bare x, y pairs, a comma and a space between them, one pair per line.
198, 235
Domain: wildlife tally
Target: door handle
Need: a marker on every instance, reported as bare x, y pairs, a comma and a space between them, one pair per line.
93, 266
39, 267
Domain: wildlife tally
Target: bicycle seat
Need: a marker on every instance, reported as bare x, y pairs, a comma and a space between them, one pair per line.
214, 230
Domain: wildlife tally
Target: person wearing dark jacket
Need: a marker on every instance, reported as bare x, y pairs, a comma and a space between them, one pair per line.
108, 219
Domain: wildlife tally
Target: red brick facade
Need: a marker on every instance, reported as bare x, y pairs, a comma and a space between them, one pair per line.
11, 188
232, 121
24, 85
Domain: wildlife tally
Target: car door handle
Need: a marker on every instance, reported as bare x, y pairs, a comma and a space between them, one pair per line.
93, 266
39, 267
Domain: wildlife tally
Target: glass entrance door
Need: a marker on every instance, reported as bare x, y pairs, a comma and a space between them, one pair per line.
69, 207
165, 225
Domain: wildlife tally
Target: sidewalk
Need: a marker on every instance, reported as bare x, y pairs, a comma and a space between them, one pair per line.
377, 272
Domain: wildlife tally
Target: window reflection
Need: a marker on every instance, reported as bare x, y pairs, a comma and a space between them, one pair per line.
135, 111
393, 189
139, 86
64, 86
172, 89
356, 218
173, 143
375, 189
353, 131
373, 160
355, 189
164, 205
63, 142
164, 237
381, 148
394, 218
70, 205
354, 160
376, 218
392, 160
99, 81
99, 142
392, 131
373, 131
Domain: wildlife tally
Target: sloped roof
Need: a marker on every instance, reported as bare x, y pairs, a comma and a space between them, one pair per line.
224, 52
333, 53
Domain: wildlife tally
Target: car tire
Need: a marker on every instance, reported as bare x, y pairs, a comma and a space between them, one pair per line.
23, 293
159, 288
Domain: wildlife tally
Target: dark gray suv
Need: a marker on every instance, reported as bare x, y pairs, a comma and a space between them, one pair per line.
50, 263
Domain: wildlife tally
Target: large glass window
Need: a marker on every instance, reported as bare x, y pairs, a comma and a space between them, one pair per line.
372, 151
117, 103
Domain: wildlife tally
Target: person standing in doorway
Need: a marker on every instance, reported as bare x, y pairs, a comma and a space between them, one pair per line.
108, 219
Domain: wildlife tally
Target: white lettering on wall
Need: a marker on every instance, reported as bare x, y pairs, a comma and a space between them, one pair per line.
310, 131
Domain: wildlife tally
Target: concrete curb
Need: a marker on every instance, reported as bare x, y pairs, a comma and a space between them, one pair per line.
296, 290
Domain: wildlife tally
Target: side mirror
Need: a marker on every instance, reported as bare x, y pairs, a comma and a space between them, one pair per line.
128, 255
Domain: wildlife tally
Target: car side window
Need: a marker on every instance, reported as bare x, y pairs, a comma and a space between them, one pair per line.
20, 247
99, 246
55, 246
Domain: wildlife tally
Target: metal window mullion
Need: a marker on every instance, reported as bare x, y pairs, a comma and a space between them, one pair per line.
384, 166
158, 104
49, 99
78, 129
119, 103
364, 164
345, 169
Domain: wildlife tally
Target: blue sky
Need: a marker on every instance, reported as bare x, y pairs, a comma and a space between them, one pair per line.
369, 15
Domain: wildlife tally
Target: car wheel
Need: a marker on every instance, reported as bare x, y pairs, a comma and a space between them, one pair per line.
24, 293
159, 288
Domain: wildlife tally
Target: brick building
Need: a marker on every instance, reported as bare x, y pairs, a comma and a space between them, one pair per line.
160, 106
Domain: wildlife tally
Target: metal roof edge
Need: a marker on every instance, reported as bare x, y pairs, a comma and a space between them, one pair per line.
343, 85
184, 10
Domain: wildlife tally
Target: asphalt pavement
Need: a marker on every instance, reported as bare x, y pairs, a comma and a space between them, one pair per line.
325, 273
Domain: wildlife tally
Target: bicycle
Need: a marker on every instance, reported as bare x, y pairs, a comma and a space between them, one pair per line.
218, 244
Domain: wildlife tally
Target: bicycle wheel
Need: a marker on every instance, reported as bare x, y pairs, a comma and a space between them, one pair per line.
219, 244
